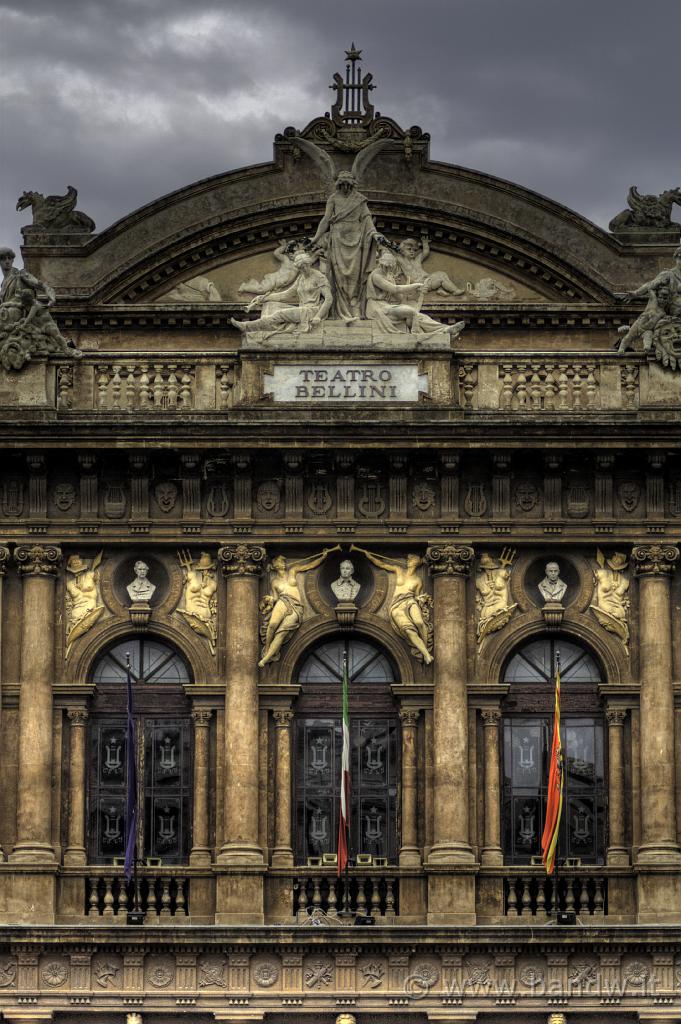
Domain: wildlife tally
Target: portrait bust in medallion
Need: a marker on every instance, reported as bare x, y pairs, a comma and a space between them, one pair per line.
346, 587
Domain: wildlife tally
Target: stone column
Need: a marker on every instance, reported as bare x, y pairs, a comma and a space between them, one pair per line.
450, 567
200, 852
491, 853
4, 558
617, 852
75, 852
241, 566
655, 564
282, 854
409, 851
38, 565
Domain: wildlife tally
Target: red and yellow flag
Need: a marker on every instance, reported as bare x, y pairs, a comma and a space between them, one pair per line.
554, 802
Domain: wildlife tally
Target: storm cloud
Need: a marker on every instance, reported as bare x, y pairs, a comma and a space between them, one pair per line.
130, 99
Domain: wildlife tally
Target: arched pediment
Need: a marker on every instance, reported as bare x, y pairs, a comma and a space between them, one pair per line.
225, 229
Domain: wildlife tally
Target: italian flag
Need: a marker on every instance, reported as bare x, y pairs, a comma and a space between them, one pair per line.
344, 817
554, 803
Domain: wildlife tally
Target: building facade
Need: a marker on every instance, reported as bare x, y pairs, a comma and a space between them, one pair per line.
392, 433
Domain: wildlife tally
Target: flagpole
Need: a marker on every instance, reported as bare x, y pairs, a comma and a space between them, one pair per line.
344, 809
135, 916
556, 673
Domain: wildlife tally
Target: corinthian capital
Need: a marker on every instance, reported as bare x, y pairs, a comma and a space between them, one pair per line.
655, 559
450, 559
37, 559
242, 559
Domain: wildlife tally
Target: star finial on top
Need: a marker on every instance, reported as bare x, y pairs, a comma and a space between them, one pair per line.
353, 53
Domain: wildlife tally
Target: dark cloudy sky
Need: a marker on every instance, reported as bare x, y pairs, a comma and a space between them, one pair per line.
130, 99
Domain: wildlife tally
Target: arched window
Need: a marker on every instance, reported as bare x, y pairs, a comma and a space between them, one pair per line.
163, 731
318, 746
527, 734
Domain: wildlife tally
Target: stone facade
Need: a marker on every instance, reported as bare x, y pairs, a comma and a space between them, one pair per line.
187, 491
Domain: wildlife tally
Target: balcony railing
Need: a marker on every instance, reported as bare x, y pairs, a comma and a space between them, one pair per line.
375, 894
161, 896
534, 895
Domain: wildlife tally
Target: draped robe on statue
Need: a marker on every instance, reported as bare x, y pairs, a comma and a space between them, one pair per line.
350, 233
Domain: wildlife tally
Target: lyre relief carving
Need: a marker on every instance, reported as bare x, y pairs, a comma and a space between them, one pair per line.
410, 610
198, 603
282, 608
84, 605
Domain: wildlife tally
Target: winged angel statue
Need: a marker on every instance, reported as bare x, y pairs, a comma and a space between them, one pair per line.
346, 231
345, 241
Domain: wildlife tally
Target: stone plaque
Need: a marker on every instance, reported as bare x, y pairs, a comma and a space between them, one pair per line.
345, 382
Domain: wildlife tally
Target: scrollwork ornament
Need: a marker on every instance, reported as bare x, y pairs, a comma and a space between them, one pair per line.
450, 559
37, 559
4, 559
242, 559
655, 559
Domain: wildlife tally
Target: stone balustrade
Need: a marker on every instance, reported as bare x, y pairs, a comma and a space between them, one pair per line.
528, 384
161, 896
145, 387
375, 894
567, 383
528, 894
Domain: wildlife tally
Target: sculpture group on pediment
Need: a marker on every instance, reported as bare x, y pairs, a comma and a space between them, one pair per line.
301, 307
282, 609
394, 306
410, 608
196, 289
26, 325
658, 328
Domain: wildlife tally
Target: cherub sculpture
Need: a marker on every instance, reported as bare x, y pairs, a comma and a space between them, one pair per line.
410, 259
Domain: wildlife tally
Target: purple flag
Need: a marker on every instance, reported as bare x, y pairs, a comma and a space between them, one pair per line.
131, 777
